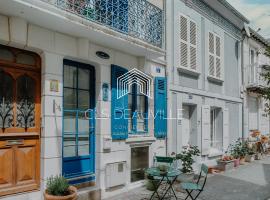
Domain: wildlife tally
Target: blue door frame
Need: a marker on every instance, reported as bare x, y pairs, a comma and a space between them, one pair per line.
79, 168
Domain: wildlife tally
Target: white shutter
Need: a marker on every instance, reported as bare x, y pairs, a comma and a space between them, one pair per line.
193, 43
206, 138
211, 51
226, 138
183, 41
218, 60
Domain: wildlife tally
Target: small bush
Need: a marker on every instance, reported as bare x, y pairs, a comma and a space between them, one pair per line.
57, 186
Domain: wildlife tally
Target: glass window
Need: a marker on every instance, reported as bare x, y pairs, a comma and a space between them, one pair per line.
25, 59
139, 162
25, 102
138, 105
6, 55
6, 100
77, 98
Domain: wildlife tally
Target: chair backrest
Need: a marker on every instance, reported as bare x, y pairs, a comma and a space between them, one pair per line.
164, 160
203, 173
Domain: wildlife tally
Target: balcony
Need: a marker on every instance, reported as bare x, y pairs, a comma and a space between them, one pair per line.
255, 79
137, 18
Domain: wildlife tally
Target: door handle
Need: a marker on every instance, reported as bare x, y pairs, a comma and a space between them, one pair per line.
14, 142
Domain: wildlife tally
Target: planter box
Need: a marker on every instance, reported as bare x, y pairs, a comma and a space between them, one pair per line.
225, 165
249, 158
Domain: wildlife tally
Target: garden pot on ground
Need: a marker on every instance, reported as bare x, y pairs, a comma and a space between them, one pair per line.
71, 196
236, 162
225, 165
258, 156
242, 161
249, 158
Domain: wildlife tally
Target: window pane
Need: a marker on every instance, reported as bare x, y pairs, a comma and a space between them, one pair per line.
25, 102
69, 145
83, 100
141, 103
6, 55
70, 98
25, 59
70, 76
6, 100
139, 162
83, 123
70, 122
83, 145
83, 78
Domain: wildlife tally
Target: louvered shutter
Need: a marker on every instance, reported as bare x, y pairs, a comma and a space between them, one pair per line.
183, 41
226, 139
193, 45
218, 60
206, 138
119, 122
160, 107
211, 50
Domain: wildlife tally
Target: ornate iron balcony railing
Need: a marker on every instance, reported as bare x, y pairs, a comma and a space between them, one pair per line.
137, 18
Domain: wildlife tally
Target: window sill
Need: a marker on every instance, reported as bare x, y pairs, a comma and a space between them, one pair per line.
214, 79
188, 71
141, 139
213, 152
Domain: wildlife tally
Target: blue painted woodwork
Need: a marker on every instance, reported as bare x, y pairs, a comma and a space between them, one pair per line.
160, 107
77, 166
119, 107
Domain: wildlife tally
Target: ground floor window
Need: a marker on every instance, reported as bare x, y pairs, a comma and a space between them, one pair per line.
216, 128
139, 162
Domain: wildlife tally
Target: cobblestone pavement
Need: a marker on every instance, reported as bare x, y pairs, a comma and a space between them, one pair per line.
248, 182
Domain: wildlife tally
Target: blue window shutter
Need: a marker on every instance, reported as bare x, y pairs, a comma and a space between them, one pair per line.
160, 107
119, 107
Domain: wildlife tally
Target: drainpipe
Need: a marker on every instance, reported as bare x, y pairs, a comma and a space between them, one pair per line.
243, 82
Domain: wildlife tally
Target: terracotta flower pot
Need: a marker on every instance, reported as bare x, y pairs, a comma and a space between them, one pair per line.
242, 161
236, 162
249, 158
72, 196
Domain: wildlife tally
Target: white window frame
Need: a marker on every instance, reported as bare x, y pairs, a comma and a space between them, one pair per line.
215, 77
189, 45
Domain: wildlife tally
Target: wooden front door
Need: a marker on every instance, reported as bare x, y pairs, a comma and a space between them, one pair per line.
19, 121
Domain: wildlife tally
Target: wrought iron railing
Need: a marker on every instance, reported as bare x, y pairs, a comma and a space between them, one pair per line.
137, 18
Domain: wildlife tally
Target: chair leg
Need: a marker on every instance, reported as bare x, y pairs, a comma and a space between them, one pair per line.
189, 194
198, 194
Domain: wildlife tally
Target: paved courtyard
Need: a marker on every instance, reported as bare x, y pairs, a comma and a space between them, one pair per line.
248, 182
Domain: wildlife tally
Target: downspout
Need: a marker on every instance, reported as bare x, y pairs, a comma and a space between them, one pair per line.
243, 83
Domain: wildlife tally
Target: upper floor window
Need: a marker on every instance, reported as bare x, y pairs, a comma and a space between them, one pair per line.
188, 43
214, 51
138, 110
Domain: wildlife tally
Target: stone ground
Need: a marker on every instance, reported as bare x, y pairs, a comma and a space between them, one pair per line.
248, 182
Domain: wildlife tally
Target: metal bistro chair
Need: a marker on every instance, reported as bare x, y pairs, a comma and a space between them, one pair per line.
190, 187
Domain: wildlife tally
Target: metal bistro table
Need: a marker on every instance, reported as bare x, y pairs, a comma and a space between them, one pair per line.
169, 177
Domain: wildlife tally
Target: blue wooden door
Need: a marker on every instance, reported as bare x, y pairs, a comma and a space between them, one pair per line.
78, 122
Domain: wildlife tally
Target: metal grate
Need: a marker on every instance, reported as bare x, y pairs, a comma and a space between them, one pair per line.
137, 18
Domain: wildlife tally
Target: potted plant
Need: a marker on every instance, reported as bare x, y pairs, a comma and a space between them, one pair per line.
236, 151
57, 188
226, 163
251, 149
187, 159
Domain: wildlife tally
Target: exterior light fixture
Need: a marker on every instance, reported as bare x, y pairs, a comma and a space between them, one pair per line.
102, 55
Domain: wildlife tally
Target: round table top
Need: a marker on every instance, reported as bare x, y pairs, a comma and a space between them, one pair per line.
171, 172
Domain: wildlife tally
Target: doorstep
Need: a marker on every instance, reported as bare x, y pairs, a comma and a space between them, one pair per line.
89, 193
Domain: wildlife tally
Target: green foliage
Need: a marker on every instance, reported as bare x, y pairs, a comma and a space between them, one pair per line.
186, 156
265, 92
57, 186
239, 148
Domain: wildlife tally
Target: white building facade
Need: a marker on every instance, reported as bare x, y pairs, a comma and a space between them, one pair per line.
204, 65
70, 54
255, 62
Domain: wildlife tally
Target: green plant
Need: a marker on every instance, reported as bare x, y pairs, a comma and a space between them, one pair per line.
57, 186
239, 149
186, 156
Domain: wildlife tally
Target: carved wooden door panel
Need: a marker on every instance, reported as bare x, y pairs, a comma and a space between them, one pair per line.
19, 121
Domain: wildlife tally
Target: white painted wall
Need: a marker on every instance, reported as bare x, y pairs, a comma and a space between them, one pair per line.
53, 47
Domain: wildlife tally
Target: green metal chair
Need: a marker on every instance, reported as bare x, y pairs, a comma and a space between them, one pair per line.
191, 187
